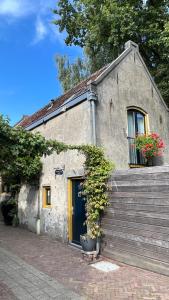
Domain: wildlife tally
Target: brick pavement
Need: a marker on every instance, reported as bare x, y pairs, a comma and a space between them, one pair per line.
6, 293
26, 282
65, 264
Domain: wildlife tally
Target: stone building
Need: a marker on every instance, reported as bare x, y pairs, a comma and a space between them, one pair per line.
108, 109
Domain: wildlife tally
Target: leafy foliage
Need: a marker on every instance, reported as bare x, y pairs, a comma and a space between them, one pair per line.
97, 171
9, 211
150, 145
103, 27
20, 153
95, 186
20, 161
71, 74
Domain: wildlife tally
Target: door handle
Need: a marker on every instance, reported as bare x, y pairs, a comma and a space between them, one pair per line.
72, 210
79, 194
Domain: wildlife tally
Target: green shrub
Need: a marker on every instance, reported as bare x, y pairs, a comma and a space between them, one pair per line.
9, 211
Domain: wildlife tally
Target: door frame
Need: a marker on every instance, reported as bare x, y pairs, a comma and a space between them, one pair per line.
70, 225
70, 201
146, 125
146, 117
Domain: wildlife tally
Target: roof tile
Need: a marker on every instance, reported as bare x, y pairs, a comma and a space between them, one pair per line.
52, 106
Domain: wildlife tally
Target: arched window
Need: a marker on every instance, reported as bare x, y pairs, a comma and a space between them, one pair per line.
136, 126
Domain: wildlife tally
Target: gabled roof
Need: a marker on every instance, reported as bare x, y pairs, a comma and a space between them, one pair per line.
129, 46
58, 102
48, 112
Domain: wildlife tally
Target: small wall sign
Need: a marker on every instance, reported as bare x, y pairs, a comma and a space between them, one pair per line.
59, 171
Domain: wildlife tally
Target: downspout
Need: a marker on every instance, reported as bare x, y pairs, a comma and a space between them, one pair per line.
92, 97
93, 109
38, 214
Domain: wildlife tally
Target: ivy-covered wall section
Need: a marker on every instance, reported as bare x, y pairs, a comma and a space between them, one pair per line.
20, 162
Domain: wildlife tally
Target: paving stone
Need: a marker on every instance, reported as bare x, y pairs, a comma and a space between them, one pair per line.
63, 270
31, 287
36, 293
21, 294
5, 292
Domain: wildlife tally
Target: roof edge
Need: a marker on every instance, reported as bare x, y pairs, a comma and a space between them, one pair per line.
112, 66
129, 46
152, 81
58, 111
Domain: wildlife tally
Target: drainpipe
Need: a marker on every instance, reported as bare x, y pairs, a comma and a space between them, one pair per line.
92, 97
38, 214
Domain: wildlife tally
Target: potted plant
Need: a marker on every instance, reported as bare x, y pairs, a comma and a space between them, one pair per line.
9, 212
87, 242
97, 171
90, 241
152, 147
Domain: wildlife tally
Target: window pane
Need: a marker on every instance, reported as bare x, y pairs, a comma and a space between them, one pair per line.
136, 125
131, 124
140, 123
48, 196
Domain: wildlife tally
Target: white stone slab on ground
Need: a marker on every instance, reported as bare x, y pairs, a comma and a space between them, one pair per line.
105, 266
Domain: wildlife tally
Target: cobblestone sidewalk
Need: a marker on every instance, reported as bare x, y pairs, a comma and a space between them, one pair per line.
65, 265
22, 281
6, 293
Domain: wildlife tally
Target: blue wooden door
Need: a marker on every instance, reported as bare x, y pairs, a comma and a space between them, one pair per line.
78, 211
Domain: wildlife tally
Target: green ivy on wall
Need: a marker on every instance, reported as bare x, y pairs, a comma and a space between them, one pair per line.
20, 162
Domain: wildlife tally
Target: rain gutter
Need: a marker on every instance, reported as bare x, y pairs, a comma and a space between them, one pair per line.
58, 111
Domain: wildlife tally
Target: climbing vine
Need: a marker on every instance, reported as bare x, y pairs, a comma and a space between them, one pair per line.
20, 161
97, 171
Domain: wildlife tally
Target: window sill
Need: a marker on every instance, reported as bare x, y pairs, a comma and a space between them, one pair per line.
47, 206
136, 166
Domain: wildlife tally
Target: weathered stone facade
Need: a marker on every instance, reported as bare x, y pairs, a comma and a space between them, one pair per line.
72, 127
126, 83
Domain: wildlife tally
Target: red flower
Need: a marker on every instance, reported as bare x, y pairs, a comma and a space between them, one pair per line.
154, 135
161, 144
150, 145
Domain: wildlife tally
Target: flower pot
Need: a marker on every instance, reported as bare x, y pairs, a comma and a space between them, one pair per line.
9, 211
6, 209
149, 162
158, 160
88, 244
155, 161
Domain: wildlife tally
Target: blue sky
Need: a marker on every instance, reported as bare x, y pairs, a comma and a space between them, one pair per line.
28, 45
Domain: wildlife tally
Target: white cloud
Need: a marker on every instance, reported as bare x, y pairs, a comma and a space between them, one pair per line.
41, 31
55, 34
40, 10
16, 8
22, 8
